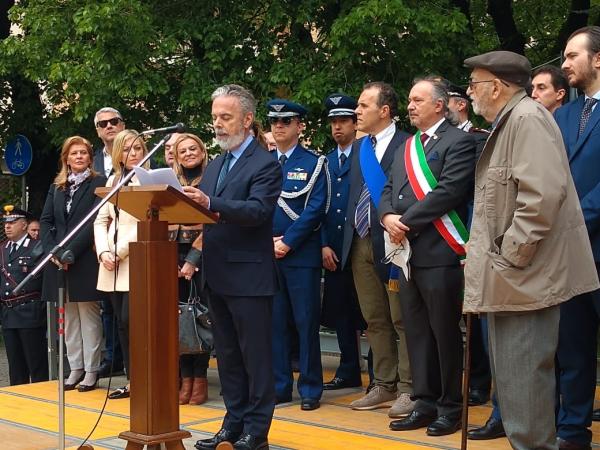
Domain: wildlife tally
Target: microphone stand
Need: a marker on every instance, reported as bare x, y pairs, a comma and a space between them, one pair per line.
63, 256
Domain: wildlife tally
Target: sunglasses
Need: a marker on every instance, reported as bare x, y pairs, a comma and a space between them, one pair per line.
284, 120
104, 123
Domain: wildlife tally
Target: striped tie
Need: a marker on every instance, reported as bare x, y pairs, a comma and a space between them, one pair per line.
363, 208
224, 170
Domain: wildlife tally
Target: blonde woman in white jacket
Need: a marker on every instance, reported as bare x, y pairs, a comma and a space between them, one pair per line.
113, 275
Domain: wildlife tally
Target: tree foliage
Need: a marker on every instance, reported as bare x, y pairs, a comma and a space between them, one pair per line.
158, 61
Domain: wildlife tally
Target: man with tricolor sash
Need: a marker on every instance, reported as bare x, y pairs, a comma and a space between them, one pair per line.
424, 206
363, 248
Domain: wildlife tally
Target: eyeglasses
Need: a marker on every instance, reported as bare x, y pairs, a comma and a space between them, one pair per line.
104, 123
284, 120
473, 83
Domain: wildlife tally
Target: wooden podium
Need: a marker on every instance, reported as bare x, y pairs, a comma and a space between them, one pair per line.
153, 312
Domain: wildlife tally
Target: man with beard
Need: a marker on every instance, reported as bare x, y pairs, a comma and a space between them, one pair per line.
241, 185
297, 241
528, 251
579, 122
424, 205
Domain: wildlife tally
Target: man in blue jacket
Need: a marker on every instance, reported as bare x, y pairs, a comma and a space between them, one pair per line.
297, 241
579, 122
340, 304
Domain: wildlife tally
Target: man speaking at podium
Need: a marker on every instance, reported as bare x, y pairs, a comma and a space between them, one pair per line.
241, 185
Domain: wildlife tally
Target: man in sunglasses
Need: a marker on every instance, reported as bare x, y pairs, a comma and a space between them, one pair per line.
297, 242
108, 122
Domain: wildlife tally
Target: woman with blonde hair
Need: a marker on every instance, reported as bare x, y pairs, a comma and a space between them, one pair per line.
190, 161
113, 274
69, 200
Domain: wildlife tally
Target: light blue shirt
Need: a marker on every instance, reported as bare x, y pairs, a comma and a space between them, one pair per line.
287, 154
346, 151
238, 151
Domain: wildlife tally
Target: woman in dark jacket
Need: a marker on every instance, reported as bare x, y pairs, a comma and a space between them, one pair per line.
190, 161
69, 200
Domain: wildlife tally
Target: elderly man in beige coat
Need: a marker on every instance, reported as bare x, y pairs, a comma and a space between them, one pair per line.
529, 250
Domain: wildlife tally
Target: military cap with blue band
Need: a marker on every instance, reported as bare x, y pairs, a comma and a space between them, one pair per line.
340, 105
279, 107
11, 214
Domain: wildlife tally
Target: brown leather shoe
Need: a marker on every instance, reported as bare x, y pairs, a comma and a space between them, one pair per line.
185, 391
199, 391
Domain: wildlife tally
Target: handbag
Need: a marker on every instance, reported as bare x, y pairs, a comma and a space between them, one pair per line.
195, 327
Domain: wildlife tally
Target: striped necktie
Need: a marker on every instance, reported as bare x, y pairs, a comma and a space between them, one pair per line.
224, 170
363, 208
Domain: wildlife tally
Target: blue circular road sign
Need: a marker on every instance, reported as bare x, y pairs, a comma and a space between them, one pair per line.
18, 155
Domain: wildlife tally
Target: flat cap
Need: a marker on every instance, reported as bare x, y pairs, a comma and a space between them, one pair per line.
279, 107
340, 105
11, 214
507, 66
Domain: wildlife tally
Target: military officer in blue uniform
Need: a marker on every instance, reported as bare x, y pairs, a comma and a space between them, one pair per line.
298, 217
23, 315
340, 309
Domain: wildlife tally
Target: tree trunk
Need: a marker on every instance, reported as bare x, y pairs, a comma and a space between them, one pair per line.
506, 29
578, 17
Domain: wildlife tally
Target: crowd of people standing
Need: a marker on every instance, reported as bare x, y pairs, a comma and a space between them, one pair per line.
502, 222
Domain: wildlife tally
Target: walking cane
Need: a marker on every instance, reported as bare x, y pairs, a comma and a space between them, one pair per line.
466, 378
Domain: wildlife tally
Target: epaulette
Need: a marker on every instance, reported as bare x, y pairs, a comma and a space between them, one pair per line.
479, 130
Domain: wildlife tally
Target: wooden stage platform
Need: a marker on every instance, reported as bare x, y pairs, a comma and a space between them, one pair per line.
29, 421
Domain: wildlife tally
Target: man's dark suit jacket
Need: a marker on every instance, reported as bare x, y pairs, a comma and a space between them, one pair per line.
238, 255
451, 157
356, 183
584, 160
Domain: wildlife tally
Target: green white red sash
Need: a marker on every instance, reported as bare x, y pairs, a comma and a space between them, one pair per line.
422, 181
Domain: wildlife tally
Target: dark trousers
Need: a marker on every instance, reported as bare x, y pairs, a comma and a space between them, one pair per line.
194, 366
242, 333
576, 366
111, 334
298, 305
26, 351
431, 308
120, 304
339, 311
481, 376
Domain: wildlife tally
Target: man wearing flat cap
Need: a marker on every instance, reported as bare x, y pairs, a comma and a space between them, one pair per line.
296, 237
23, 315
528, 251
579, 122
340, 309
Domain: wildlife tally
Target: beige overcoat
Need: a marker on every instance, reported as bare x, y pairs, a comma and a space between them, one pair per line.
529, 247
104, 232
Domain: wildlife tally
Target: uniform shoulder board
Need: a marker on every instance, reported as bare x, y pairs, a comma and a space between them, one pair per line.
479, 130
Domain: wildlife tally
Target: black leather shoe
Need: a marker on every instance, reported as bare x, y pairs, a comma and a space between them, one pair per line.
596, 415
284, 399
444, 425
71, 386
104, 371
493, 429
340, 383
414, 421
309, 404
222, 435
478, 397
568, 445
249, 442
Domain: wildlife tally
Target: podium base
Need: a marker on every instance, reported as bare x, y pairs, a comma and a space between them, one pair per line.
172, 440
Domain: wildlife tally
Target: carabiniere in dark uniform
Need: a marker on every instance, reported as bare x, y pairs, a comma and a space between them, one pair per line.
23, 315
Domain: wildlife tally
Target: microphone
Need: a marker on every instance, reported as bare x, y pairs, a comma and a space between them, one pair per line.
177, 128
